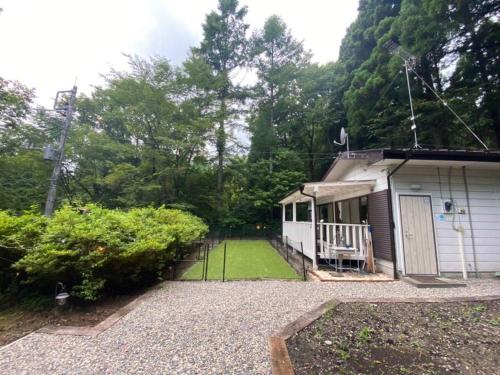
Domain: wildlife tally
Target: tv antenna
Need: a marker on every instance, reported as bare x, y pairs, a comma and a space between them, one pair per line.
410, 61
344, 139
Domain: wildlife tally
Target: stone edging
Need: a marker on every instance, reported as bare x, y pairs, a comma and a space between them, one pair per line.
280, 360
95, 330
88, 330
102, 326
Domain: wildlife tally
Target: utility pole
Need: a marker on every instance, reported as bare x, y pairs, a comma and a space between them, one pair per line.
68, 109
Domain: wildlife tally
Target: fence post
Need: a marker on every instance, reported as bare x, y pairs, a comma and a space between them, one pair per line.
224, 263
204, 257
303, 261
206, 263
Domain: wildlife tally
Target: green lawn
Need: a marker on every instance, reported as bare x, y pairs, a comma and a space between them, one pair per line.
254, 259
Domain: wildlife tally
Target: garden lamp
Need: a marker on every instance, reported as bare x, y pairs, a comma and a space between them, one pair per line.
61, 296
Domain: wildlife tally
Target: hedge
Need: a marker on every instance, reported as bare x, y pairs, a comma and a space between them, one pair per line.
94, 250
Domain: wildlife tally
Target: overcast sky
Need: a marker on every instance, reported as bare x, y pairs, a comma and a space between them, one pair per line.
47, 44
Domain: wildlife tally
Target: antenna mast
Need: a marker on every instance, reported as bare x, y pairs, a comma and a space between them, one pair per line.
409, 63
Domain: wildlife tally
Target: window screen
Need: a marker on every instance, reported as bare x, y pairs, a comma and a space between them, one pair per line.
303, 212
289, 212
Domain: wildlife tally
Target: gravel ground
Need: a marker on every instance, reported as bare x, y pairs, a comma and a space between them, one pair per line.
200, 328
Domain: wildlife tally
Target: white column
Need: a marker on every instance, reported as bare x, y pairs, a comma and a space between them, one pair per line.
283, 215
294, 212
313, 218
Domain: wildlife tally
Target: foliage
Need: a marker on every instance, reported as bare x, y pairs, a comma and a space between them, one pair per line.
21, 179
163, 135
92, 249
18, 235
15, 103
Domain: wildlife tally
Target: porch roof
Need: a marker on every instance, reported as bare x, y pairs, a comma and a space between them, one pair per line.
326, 189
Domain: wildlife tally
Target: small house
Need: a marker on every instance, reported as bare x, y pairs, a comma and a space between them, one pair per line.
422, 212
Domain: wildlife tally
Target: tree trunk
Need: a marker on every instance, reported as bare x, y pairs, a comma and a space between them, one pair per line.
221, 148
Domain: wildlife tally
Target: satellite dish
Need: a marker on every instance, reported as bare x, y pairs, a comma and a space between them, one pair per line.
344, 138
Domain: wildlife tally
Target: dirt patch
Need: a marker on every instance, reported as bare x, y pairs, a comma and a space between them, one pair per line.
18, 321
401, 338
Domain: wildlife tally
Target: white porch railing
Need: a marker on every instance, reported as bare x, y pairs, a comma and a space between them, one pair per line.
299, 232
335, 238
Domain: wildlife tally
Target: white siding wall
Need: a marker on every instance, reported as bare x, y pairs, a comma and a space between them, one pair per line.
297, 232
484, 194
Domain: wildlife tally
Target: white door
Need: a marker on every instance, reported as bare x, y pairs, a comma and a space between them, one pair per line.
418, 235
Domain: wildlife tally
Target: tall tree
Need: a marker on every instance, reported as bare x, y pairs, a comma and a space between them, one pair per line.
15, 103
278, 59
224, 49
139, 136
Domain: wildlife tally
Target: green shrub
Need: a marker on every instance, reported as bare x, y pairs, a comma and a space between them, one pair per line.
93, 249
18, 234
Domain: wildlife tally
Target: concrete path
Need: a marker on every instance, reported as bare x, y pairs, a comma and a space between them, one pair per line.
200, 328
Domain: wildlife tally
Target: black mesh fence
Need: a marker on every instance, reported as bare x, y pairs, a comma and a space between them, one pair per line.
193, 262
292, 252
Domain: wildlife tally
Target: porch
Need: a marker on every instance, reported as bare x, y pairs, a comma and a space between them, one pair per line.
329, 222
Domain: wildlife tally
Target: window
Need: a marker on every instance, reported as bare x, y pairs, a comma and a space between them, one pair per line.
289, 212
363, 209
325, 212
352, 211
303, 212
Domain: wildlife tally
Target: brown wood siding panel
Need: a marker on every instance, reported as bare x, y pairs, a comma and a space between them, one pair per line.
379, 219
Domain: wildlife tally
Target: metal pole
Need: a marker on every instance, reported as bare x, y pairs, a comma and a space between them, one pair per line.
224, 263
303, 261
286, 247
51, 195
206, 264
413, 125
205, 247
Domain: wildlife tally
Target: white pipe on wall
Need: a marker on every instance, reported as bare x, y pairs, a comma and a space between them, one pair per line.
460, 232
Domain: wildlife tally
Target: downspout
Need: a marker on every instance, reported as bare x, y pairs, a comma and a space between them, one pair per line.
409, 154
459, 229
301, 189
470, 222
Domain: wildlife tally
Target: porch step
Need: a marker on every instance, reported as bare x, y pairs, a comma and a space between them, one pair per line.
432, 282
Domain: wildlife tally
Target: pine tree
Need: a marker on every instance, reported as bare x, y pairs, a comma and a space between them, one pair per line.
224, 49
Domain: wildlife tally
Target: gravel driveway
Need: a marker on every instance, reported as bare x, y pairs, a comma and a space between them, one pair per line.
199, 328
